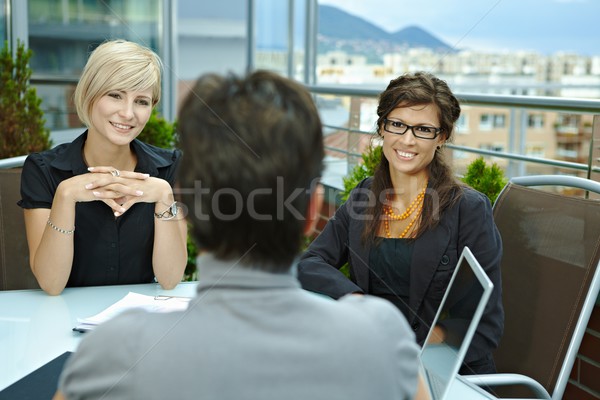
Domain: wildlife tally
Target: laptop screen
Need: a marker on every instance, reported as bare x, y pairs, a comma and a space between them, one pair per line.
454, 325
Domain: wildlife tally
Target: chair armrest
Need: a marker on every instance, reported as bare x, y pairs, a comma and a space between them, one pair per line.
508, 379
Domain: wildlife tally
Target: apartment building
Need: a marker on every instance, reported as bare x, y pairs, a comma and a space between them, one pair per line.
542, 134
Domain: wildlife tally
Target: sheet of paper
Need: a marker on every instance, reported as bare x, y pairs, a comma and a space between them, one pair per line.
130, 301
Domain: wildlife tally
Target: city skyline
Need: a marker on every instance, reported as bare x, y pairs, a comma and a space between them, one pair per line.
544, 26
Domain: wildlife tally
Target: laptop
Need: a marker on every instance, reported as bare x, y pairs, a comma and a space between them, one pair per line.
459, 313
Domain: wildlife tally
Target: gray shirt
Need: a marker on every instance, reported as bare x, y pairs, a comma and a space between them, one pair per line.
249, 334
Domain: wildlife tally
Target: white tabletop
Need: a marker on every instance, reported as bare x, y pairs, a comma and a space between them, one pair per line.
36, 327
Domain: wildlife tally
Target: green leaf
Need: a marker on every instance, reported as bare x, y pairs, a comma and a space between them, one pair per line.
22, 125
159, 132
370, 160
488, 180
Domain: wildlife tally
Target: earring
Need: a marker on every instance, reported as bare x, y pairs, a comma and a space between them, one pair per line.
439, 147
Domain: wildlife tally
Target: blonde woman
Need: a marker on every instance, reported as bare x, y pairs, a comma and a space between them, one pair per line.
100, 210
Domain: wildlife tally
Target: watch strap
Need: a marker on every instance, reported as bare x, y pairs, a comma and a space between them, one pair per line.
169, 213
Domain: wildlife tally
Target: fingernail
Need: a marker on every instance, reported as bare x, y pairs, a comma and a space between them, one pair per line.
96, 193
121, 210
147, 175
90, 168
139, 192
117, 214
88, 186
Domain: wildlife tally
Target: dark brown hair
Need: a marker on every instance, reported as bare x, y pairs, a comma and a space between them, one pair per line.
253, 150
411, 89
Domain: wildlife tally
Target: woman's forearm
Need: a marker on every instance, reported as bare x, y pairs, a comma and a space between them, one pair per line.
50, 239
169, 256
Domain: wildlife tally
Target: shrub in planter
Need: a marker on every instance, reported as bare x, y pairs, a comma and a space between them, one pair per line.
370, 158
22, 123
489, 180
159, 132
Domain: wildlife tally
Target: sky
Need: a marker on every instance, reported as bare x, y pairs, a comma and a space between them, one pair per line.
545, 26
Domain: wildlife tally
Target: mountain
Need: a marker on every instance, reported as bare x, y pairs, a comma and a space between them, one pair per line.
338, 25
414, 36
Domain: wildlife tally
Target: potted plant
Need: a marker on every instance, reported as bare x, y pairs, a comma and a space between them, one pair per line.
22, 123
370, 158
487, 179
159, 132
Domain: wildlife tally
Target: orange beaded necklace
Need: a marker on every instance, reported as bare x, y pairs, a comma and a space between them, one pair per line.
416, 206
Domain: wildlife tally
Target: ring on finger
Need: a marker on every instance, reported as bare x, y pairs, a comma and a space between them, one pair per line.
115, 173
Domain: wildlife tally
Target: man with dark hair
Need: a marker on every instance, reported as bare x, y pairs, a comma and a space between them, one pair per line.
253, 152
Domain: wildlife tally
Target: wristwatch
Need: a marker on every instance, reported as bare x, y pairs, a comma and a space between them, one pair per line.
169, 213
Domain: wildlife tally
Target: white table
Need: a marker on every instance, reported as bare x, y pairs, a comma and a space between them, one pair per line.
36, 327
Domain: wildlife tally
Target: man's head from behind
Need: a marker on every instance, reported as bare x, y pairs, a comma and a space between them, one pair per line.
253, 150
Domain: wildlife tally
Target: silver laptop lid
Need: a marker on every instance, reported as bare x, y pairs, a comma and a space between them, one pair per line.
454, 325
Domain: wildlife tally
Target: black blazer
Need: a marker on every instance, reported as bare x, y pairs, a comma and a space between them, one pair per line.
468, 223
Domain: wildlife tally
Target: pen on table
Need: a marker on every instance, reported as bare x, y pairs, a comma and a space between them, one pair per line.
164, 297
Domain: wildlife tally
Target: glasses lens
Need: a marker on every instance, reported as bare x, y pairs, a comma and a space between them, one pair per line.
425, 132
395, 126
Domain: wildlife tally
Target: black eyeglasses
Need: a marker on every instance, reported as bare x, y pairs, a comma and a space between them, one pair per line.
420, 131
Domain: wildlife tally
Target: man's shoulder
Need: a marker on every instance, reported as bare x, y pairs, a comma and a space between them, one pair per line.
380, 337
123, 325
370, 315
371, 306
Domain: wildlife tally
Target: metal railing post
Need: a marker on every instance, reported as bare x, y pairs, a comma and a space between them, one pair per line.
354, 134
594, 157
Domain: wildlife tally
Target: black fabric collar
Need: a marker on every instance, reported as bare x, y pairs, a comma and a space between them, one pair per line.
148, 158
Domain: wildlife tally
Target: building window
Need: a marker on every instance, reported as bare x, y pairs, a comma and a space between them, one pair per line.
488, 122
535, 121
569, 150
280, 29
499, 121
462, 125
569, 120
62, 35
568, 124
535, 150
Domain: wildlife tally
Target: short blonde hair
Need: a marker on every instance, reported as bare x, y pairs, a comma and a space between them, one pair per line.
117, 65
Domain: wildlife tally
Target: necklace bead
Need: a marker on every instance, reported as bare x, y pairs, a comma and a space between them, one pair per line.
416, 207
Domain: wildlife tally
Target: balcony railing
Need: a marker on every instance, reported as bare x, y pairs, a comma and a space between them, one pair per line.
518, 156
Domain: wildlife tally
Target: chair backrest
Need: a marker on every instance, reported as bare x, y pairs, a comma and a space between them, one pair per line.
550, 276
15, 272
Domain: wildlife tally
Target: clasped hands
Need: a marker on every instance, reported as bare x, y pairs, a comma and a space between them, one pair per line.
118, 189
